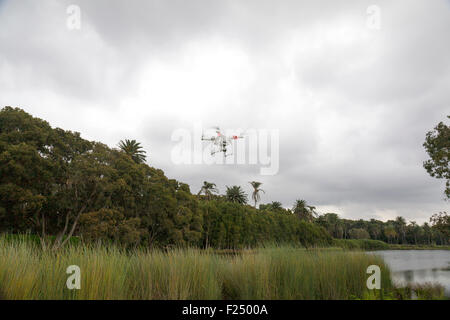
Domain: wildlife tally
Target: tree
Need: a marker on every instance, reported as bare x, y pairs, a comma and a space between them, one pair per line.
375, 229
358, 233
414, 232
276, 205
390, 233
40, 187
111, 225
236, 194
441, 222
332, 223
400, 228
428, 233
133, 149
55, 184
256, 190
437, 145
303, 211
208, 189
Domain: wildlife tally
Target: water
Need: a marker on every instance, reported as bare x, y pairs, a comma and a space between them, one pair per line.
419, 266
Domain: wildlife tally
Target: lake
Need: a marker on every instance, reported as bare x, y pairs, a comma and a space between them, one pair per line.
419, 266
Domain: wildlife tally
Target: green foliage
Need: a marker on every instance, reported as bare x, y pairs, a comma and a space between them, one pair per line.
133, 149
441, 222
236, 194
231, 225
51, 179
275, 205
358, 233
437, 145
396, 231
110, 225
208, 189
303, 211
361, 244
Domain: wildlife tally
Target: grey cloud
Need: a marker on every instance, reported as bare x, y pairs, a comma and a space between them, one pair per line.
352, 105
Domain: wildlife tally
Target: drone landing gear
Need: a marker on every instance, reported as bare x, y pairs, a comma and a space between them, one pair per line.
224, 153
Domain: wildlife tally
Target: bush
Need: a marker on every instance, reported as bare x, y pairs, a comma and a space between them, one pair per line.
360, 244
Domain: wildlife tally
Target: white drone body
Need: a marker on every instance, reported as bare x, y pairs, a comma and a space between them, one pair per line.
220, 142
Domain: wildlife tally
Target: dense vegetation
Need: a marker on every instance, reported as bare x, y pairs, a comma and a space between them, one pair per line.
113, 273
396, 231
55, 184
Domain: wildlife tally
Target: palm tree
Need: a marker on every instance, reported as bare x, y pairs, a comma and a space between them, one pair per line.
414, 229
303, 211
133, 149
208, 189
256, 190
236, 194
276, 205
400, 228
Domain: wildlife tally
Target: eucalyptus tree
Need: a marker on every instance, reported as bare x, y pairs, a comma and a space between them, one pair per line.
441, 222
437, 145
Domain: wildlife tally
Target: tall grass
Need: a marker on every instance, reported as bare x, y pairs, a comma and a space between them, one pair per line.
26, 272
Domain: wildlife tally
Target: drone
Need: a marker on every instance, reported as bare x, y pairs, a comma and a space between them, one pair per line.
220, 142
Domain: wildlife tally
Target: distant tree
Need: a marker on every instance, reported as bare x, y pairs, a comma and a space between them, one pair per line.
390, 233
303, 211
256, 190
400, 228
332, 223
358, 233
133, 149
437, 145
236, 194
273, 206
375, 229
413, 231
428, 233
208, 189
276, 205
441, 222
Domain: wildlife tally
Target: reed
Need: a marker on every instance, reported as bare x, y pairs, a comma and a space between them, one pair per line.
109, 272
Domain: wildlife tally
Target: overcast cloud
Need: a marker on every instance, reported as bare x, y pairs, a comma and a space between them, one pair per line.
352, 104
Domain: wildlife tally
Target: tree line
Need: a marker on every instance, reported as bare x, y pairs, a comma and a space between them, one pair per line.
397, 231
57, 185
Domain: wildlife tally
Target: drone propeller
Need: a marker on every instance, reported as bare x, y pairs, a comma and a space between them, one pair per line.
222, 141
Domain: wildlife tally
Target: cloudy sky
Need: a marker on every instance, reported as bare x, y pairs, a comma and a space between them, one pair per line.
351, 95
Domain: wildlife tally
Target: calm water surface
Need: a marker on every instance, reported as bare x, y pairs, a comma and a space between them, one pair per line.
419, 266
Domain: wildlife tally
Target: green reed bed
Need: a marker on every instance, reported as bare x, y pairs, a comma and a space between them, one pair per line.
26, 272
